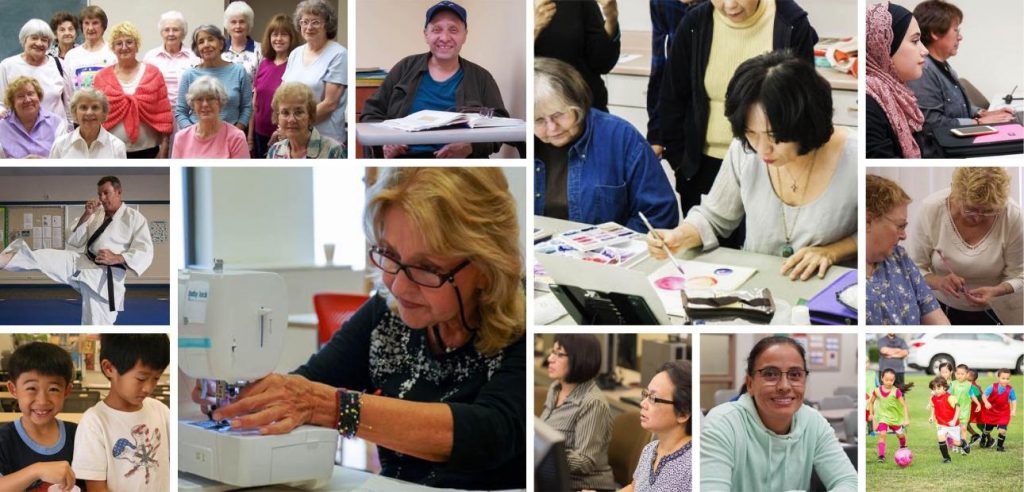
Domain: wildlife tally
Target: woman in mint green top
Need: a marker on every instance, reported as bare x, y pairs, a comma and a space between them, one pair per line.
768, 440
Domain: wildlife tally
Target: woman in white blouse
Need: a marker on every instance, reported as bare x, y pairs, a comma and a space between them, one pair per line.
788, 172
89, 108
968, 241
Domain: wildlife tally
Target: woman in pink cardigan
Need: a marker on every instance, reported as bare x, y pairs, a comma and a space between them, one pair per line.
140, 113
210, 137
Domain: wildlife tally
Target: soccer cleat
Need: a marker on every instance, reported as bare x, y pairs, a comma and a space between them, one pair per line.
881, 459
946, 461
975, 438
1000, 449
966, 449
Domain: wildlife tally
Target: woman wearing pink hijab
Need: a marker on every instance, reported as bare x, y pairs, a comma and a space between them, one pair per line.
895, 55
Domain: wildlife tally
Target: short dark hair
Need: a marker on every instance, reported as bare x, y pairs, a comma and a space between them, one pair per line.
116, 183
584, 353
124, 350
95, 12
1003, 371
887, 371
679, 372
947, 365
61, 16
938, 381
45, 358
963, 366
796, 100
935, 17
768, 342
972, 374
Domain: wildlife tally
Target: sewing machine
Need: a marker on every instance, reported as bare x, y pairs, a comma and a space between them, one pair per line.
231, 329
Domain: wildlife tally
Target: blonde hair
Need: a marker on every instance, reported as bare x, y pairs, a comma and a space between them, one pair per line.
16, 85
882, 195
981, 186
466, 212
294, 91
125, 30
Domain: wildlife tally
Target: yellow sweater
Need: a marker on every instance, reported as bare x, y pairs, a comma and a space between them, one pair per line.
732, 43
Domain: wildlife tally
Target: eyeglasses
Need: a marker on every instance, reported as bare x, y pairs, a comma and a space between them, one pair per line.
901, 227
561, 118
426, 277
772, 375
560, 355
973, 212
649, 397
297, 114
315, 23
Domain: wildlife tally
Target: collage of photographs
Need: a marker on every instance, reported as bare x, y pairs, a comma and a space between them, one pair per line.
701, 170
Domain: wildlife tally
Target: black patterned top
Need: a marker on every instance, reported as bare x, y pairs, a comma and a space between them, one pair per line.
376, 351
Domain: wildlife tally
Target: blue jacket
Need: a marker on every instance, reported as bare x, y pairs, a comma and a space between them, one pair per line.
613, 174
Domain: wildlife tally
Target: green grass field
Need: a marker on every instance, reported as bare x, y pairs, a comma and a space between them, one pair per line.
982, 470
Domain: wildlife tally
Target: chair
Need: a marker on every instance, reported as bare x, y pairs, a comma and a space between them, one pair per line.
850, 426
80, 401
334, 309
627, 442
724, 395
850, 391
973, 94
837, 402
540, 394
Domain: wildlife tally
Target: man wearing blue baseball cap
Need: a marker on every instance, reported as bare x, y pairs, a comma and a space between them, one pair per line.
439, 80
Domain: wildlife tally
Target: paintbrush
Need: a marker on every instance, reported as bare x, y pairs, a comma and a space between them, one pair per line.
663, 245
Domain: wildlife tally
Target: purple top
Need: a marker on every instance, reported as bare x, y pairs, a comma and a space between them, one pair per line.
16, 143
674, 472
268, 78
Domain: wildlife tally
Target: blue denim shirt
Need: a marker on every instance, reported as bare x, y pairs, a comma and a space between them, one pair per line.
613, 174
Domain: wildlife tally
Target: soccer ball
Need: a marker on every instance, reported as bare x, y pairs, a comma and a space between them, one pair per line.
903, 457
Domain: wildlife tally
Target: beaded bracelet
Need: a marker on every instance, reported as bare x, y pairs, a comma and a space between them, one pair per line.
348, 413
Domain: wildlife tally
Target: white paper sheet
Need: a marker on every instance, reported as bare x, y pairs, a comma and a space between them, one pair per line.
699, 276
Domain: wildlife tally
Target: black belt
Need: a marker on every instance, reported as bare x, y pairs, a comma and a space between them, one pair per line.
110, 268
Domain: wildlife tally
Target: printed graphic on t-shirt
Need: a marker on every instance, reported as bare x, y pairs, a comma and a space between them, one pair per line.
84, 76
139, 450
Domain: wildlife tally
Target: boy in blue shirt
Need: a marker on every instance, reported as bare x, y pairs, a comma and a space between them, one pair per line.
36, 449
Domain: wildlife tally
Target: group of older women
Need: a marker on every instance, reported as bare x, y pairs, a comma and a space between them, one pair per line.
153, 105
964, 263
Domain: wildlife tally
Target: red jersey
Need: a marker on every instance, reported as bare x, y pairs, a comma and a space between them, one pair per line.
999, 414
976, 409
945, 412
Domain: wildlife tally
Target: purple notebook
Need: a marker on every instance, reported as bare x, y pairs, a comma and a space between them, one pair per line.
825, 307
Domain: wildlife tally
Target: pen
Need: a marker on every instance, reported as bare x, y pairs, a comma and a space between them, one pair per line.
663, 245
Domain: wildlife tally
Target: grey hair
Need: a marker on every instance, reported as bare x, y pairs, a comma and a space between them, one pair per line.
208, 29
205, 86
90, 94
172, 16
35, 27
239, 8
319, 8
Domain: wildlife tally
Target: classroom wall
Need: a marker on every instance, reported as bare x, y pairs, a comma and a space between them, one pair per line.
496, 40
991, 54
820, 383
79, 185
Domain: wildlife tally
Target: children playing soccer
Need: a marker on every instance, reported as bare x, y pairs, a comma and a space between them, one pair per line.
35, 449
945, 414
123, 441
960, 388
889, 417
1000, 407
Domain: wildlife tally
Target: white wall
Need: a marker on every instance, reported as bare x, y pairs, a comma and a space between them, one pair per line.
831, 18
79, 184
388, 31
820, 383
991, 54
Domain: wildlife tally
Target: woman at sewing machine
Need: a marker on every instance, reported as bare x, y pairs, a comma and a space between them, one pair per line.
433, 368
788, 173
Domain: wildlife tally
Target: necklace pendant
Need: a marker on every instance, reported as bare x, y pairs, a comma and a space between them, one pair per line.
793, 187
787, 251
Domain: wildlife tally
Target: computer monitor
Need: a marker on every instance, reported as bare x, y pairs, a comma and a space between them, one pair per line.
550, 465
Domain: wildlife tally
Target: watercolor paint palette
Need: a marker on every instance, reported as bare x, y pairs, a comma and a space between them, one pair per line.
700, 276
596, 237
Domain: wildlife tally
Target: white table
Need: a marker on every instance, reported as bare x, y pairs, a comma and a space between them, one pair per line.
342, 479
767, 267
376, 134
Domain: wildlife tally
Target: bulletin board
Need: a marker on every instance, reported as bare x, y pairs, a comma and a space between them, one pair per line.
35, 224
823, 350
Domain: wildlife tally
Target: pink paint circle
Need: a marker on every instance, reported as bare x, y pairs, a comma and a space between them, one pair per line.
670, 283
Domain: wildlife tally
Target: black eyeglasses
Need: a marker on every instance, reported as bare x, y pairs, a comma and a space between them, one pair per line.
426, 277
772, 375
557, 354
649, 396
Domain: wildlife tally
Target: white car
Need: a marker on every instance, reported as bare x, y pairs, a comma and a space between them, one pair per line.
978, 350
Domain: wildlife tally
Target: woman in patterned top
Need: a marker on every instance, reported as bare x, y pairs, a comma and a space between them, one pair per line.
666, 463
433, 368
897, 293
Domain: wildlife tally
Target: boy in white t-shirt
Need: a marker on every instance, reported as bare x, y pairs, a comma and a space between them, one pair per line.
123, 442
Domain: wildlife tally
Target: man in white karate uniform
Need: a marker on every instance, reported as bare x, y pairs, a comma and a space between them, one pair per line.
108, 240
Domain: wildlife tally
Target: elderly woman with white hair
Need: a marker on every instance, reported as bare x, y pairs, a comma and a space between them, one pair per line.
241, 48
172, 58
322, 65
35, 37
89, 108
210, 137
208, 42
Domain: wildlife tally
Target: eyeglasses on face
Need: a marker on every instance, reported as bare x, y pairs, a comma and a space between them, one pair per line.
651, 398
426, 277
978, 212
772, 375
555, 353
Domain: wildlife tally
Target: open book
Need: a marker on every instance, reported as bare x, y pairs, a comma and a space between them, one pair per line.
430, 120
